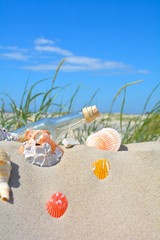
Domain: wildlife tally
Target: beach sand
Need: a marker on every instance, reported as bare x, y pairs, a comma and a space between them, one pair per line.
124, 206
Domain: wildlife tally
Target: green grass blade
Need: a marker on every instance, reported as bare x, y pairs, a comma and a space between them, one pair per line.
122, 107
47, 93
149, 97
93, 96
24, 92
120, 90
72, 98
57, 70
29, 95
118, 93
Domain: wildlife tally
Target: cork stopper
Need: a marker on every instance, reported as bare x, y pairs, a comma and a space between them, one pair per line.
90, 113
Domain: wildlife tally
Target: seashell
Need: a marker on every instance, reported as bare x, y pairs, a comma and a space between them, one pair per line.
34, 134
57, 205
105, 139
5, 170
46, 138
40, 149
40, 136
7, 136
70, 142
41, 155
101, 168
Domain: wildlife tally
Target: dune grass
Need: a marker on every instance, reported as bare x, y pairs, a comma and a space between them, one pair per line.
141, 128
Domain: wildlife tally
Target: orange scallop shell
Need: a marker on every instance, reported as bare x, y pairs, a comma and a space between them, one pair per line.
105, 139
101, 168
34, 134
40, 136
46, 138
57, 205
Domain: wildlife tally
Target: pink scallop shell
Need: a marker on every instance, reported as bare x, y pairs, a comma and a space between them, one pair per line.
57, 205
105, 139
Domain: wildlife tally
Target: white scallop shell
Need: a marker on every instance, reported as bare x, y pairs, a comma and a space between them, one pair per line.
105, 139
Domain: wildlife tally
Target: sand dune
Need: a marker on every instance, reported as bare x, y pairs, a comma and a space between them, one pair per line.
123, 206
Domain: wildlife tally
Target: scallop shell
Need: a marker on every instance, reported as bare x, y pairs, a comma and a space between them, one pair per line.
101, 168
46, 138
40, 136
57, 205
105, 139
35, 134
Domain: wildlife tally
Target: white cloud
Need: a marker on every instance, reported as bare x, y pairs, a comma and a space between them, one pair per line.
14, 55
82, 64
41, 41
116, 65
43, 46
13, 48
82, 60
57, 50
143, 71
87, 63
41, 67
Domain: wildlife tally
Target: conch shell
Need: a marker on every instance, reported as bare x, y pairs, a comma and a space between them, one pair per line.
5, 170
105, 139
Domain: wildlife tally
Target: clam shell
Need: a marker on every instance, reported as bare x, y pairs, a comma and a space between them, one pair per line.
57, 205
101, 168
105, 139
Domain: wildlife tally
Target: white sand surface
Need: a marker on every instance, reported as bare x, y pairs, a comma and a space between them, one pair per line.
124, 206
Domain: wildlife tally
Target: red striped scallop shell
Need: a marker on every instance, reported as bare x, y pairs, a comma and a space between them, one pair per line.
57, 205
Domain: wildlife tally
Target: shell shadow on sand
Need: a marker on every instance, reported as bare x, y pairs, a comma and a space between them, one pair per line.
14, 181
123, 148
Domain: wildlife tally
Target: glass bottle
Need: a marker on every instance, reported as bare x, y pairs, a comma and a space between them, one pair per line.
62, 125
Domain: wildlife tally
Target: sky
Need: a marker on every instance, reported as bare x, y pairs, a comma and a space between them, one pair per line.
106, 44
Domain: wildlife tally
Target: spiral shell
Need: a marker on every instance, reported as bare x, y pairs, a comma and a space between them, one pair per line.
101, 168
105, 139
57, 205
5, 170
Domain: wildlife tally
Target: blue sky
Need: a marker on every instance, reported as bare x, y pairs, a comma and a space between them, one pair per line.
106, 44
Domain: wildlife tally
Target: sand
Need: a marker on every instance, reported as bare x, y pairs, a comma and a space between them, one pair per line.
126, 205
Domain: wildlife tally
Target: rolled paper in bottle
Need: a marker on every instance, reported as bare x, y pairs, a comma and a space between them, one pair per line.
90, 113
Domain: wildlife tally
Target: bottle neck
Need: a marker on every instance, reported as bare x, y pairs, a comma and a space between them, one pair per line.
66, 119
67, 123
